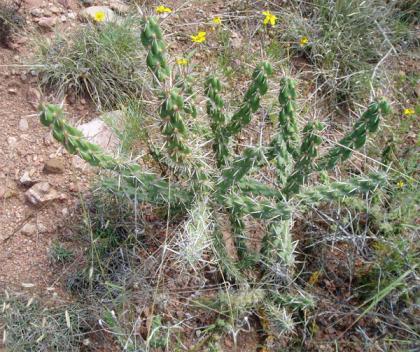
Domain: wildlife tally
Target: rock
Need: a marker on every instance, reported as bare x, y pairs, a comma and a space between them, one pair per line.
97, 132
23, 124
11, 141
12, 91
33, 96
119, 6
47, 22
41, 193
55, 9
26, 180
29, 229
54, 166
36, 12
42, 228
88, 14
33, 3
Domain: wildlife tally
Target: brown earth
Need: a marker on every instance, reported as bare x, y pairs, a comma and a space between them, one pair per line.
27, 231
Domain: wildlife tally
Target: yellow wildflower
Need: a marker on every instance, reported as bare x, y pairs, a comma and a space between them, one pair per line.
314, 277
217, 20
400, 184
303, 41
99, 16
182, 61
199, 38
269, 18
409, 112
163, 9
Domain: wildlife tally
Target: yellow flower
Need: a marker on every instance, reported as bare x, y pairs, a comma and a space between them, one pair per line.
182, 61
99, 16
303, 41
409, 112
269, 18
199, 38
162, 9
400, 184
217, 20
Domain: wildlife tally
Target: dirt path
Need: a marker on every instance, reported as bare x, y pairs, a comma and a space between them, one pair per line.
26, 147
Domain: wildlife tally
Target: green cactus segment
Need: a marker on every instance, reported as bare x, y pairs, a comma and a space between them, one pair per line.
287, 118
238, 232
72, 139
173, 127
340, 190
261, 209
257, 188
146, 186
240, 167
152, 39
307, 154
214, 107
251, 102
356, 139
278, 246
184, 84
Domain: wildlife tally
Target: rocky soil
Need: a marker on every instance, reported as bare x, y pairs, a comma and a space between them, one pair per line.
40, 183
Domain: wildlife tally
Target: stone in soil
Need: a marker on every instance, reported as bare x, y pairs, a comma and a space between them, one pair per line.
41, 193
97, 132
26, 180
88, 14
29, 229
54, 166
119, 6
33, 97
47, 22
23, 124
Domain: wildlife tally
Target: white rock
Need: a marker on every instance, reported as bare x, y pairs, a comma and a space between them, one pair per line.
41, 193
97, 132
11, 141
23, 124
90, 12
28, 229
26, 179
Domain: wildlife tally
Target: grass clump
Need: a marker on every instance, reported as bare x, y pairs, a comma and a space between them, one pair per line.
346, 40
28, 325
104, 62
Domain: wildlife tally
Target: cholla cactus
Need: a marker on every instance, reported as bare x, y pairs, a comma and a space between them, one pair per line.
229, 187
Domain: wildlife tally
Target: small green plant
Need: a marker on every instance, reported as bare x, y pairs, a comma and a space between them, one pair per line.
103, 61
227, 185
60, 254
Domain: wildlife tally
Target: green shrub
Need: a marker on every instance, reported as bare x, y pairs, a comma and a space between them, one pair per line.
103, 61
346, 41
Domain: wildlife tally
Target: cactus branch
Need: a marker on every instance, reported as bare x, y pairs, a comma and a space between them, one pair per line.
251, 102
356, 139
